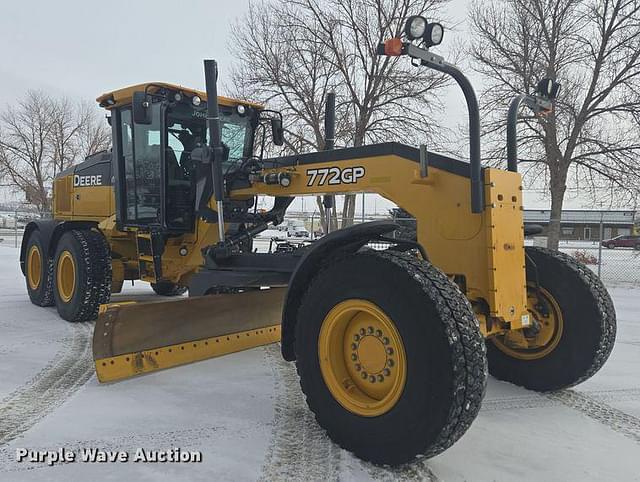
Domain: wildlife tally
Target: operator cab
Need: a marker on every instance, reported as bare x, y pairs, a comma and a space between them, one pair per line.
154, 172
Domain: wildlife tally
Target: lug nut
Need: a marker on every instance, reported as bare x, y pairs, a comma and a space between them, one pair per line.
380, 378
358, 367
385, 340
386, 371
363, 331
356, 337
354, 346
390, 362
389, 351
370, 330
372, 379
354, 357
364, 375
378, 333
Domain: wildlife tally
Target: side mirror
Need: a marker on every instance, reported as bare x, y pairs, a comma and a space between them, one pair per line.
141, 108
277, 131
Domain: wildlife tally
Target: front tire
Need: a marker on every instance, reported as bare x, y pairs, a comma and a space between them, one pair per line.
390, 358
82, 274
572, 298
38, 268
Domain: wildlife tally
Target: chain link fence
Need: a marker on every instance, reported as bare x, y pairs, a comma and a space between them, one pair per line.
12, 224
616, 264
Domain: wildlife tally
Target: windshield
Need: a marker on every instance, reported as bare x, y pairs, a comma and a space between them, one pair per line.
187, 127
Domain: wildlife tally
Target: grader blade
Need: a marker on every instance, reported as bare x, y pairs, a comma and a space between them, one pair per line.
135, 338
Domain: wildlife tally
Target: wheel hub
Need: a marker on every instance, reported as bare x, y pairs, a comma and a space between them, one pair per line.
543, 336
66, 276
34, 270
362, 357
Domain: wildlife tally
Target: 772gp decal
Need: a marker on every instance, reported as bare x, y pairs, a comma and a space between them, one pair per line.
334, 175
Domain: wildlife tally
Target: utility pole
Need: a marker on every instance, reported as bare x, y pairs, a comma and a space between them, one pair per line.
600, 244
15, 227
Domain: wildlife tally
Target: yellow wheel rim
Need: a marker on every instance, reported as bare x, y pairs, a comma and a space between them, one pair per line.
362, 358
34, 268
543, 337
66, 276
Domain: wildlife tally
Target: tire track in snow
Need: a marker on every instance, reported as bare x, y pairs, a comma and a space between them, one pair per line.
538, 400
186, 439
615, 419
417, 470
301, 450
69, 370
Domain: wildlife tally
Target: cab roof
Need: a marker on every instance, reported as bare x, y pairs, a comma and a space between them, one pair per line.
124, 95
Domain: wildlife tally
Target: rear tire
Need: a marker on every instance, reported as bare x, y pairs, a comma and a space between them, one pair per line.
588, 327
167, 288
38, 268
82, 276
439, 342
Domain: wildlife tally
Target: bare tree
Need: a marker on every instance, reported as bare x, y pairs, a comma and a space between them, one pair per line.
292, 53
41, 137
25, 147
593, 48
94, 134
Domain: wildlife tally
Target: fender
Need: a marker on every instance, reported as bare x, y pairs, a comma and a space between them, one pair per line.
343, 241
50, 232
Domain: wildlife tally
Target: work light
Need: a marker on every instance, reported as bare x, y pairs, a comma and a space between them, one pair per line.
415, 27
195, 100
544, 87
548, 88
241, 109
434, 34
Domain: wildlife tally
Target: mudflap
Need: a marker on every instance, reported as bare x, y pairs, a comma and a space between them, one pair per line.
135, 338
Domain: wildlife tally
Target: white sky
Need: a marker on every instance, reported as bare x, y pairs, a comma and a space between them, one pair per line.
81, 49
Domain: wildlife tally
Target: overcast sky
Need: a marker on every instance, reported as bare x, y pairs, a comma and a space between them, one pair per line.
82, 48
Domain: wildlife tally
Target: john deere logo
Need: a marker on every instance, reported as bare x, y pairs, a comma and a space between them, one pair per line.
83, 181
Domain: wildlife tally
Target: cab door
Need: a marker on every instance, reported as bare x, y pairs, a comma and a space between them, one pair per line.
140, 173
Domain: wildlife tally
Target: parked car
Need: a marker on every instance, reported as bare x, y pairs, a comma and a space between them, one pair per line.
299, 232
628, 241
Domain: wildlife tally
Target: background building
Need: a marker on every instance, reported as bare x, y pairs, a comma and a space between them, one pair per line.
585, 224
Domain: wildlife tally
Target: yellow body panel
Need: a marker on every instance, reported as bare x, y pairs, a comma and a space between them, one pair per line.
483, 253
124, 95
94, 202
456, 240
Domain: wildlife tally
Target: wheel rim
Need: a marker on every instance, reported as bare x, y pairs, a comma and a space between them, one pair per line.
540, 340
66, 276
34, 269
362, 358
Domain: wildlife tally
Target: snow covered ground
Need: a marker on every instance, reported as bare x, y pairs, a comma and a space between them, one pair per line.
245, 413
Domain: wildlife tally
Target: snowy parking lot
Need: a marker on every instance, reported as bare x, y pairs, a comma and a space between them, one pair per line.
245, 414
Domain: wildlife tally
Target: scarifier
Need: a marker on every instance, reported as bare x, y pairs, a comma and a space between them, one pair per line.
392, 346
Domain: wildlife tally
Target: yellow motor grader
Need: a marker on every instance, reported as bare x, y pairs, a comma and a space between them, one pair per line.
392, 346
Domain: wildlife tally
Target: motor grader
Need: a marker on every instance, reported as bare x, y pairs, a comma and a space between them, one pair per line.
392, 346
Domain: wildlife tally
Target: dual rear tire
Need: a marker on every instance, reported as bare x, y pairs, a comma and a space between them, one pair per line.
38, 272
77, 278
